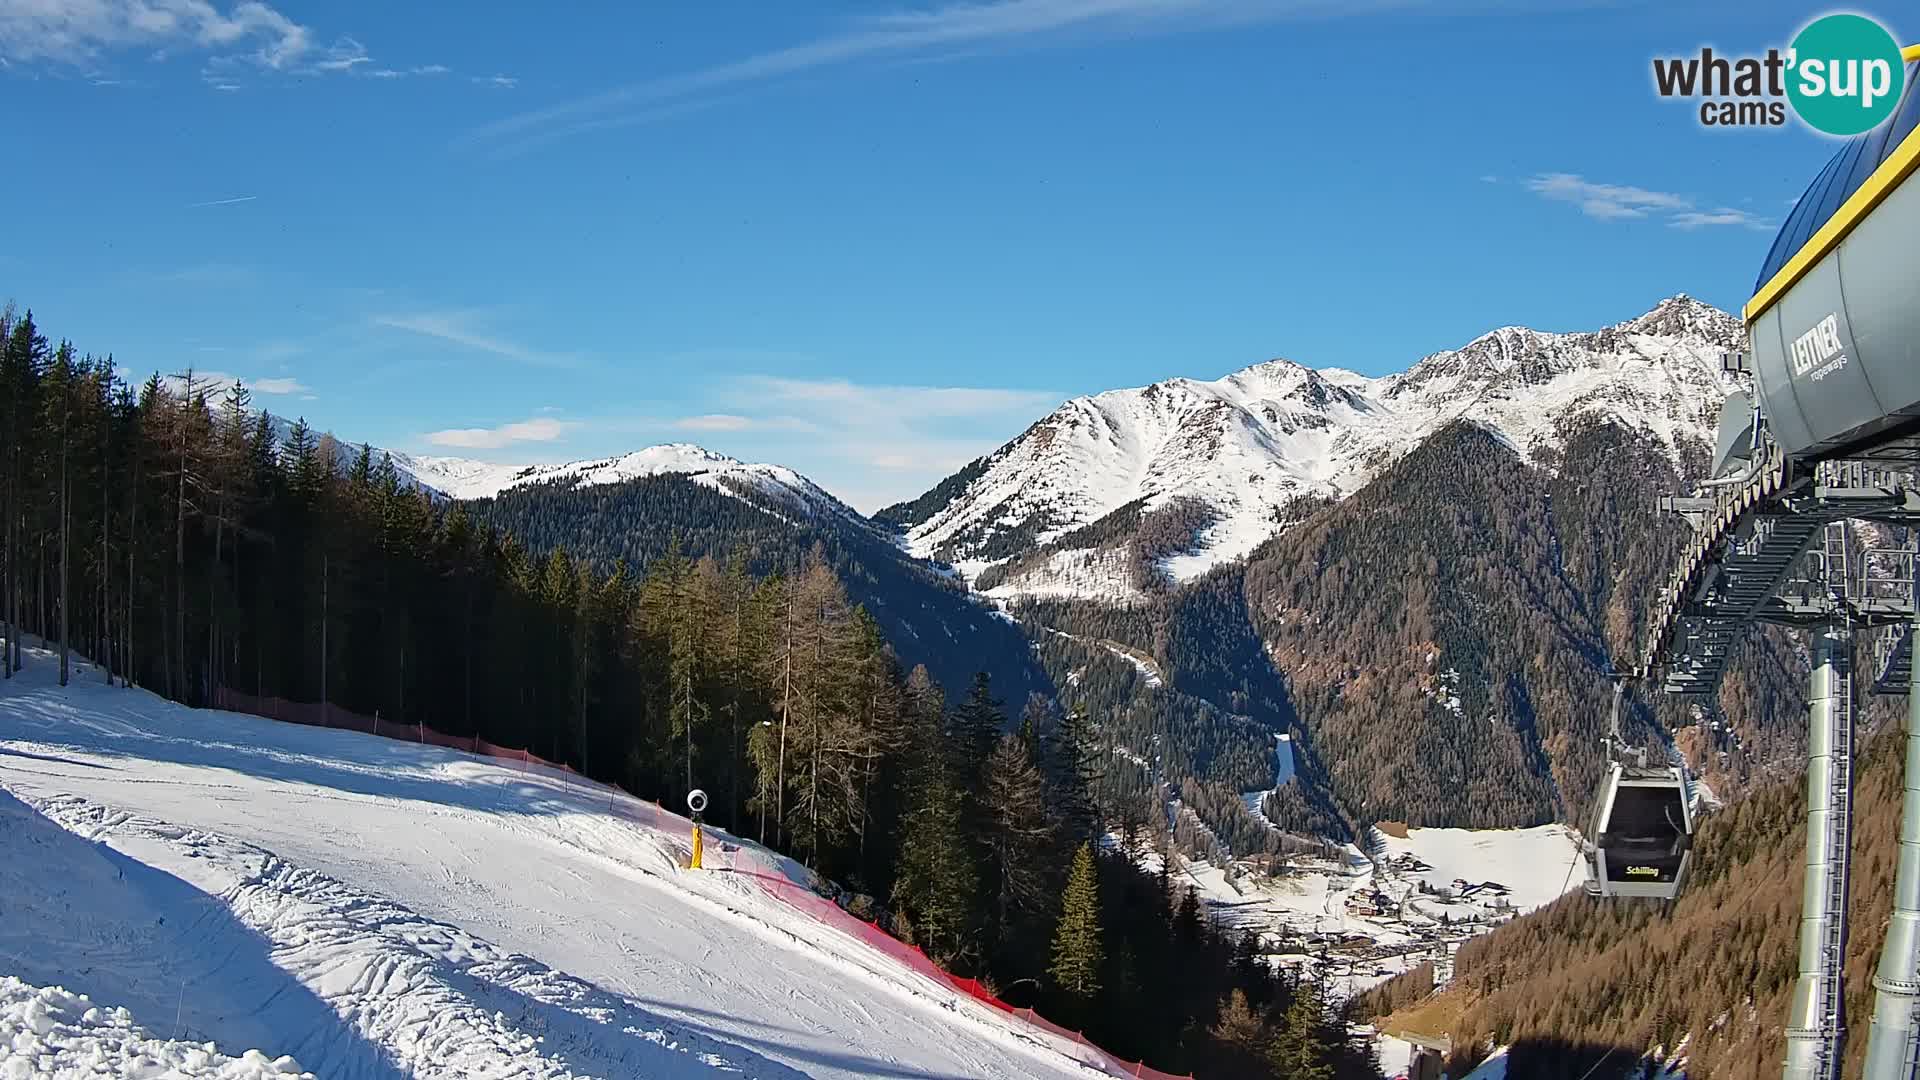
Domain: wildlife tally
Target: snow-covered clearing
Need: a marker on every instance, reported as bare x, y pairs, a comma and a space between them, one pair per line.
1536, 866
380, 909
1395, 1054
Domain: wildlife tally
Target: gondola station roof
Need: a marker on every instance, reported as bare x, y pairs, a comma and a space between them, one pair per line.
1834, 323
1845, 174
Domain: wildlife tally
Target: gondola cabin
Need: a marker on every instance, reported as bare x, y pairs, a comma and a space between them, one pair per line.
1643, 833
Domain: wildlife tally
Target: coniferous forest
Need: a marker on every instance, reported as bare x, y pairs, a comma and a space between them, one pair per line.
171, 533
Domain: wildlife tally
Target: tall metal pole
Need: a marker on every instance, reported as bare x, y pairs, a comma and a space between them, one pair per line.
1893, 1042
1816, 1025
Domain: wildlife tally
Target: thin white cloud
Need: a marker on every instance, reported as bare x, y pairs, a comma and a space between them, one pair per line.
930, 401
498, 82
222, 202
204, 275
343, 55
1607, 202
515, 147
958, 26
215, 383
1726, 215
407, 73
873, 444
535, 429
1626, 202
714, 422
459, 328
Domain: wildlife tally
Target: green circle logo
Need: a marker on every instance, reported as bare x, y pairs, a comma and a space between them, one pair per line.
1845, 74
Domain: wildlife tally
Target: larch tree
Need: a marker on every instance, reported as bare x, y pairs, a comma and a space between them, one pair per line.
1019, 837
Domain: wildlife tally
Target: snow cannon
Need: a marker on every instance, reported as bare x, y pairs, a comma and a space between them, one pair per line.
696, 802
1834, 323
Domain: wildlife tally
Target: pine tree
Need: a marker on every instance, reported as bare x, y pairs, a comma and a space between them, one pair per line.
1036, 724
1188, 925
9, 408
881, 734
60, 379
1074, 769
973, 730
1298, 1050
1076, 940
935, 885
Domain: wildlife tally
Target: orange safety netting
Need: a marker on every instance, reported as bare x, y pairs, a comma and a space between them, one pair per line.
819, 908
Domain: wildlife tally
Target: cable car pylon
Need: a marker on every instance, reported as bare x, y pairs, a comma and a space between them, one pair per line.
1816, 1023
1824, 437
1893, 1040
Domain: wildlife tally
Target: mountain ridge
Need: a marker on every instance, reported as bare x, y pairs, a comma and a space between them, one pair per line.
1247, 445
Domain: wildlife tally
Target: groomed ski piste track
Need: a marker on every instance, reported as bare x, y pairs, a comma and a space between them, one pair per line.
189, 892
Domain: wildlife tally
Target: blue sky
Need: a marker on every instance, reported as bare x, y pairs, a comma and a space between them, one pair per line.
870, 241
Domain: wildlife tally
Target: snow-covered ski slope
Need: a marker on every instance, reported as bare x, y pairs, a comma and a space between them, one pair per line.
372, 908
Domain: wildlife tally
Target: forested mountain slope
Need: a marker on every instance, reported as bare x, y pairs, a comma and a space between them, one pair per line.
1438, 644
632, 507
927, 618
1446, 631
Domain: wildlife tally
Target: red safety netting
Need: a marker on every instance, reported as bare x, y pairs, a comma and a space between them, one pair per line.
832, 914
793, 894
332, 716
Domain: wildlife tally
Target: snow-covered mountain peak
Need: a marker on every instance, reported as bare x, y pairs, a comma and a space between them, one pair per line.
1682, 316
1233, 453
466, 478
460, 478
1293, 381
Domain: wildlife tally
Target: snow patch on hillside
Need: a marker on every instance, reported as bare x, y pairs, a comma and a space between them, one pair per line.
1103, 573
